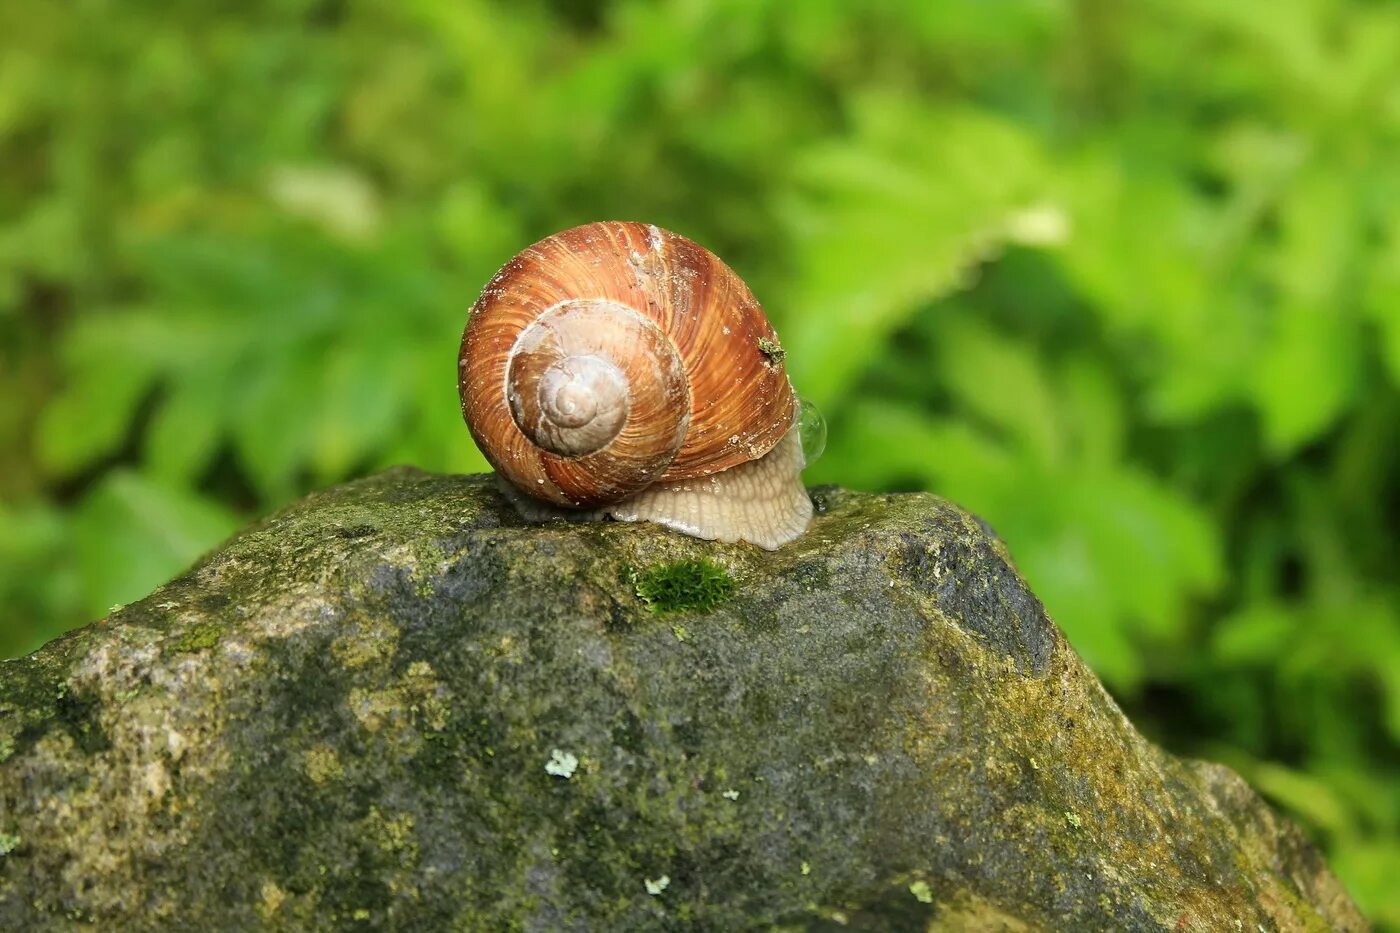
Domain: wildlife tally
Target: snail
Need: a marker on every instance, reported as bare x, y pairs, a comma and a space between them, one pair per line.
618, 370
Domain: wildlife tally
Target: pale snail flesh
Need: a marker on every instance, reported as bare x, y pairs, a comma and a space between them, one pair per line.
620, 370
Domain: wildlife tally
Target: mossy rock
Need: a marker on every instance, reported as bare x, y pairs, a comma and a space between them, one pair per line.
395, 706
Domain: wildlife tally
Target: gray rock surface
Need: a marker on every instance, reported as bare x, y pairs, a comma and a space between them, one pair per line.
395, 706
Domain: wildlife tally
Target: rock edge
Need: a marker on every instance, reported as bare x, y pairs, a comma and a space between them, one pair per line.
394, 705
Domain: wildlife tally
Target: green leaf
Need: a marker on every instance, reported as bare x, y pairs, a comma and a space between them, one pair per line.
357, 406
893, 217
38, 583
93, 414
1000, 379
1253, 635
187, 427
1370, 867
1140, 253
1306, 375
132, 533
1302, 793
274, 422
1382, 297
879, 441
1093, 410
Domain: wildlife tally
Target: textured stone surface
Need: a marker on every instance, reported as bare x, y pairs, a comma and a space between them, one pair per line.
396, 706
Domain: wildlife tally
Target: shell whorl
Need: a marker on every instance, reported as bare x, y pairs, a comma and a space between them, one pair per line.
576, 373
580, 405
614, 355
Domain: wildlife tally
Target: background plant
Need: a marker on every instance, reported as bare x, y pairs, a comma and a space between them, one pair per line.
1125, 279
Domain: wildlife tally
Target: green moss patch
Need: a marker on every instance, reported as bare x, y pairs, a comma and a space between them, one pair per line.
697, 584
200, 637
771, 349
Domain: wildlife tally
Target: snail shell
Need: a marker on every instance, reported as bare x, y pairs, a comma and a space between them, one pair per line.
620, 369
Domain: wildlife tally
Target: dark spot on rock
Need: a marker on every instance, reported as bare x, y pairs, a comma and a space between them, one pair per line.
689, 734
827, 498
212, 602
619, 617
627, 732
973, 586
809, 575
78, 714
896, 909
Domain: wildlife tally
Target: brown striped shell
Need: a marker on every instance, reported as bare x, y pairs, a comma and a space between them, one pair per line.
614, 355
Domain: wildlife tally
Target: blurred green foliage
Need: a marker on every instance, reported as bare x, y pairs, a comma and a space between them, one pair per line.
1123, 278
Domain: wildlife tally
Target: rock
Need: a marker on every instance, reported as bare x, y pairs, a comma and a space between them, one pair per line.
395, 706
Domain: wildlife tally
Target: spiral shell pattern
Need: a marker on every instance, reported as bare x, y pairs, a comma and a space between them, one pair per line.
612, 356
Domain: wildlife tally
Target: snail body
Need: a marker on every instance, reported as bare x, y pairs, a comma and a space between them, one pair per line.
617, 369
